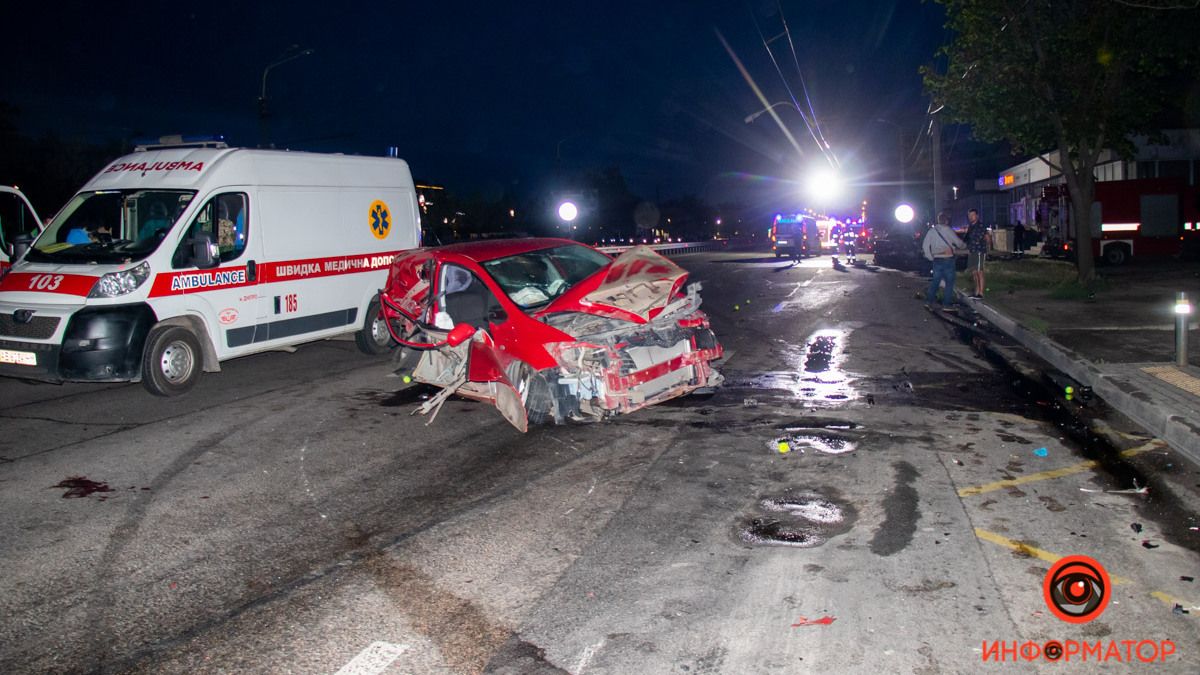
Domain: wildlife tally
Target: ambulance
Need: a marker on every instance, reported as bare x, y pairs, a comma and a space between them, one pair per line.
180, 256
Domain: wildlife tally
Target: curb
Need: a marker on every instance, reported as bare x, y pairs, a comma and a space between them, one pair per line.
1180, 433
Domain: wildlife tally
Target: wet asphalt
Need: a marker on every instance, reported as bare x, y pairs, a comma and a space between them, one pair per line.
867, 492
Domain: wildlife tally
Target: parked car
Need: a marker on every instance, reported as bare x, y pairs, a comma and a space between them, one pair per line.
549, 329
900, 248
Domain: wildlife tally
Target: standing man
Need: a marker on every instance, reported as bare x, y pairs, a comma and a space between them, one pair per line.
940, 247
979, 241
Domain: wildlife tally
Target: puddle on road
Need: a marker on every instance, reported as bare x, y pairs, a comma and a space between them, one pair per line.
79, 487
800, 520
815, 373
828, 444
771, 532
811, 508
828, 436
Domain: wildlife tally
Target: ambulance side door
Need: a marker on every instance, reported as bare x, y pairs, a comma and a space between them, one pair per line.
226, 296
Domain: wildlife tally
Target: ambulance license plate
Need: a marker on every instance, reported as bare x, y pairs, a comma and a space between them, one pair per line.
19, 358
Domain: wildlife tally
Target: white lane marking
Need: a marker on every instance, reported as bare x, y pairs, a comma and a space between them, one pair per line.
810, 279
373, 660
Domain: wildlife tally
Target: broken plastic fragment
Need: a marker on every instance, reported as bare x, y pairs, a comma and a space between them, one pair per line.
1041, 452
1137, 527
1146, 544
823, 621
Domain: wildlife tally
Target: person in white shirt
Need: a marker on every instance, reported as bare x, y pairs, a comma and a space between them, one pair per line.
940, 247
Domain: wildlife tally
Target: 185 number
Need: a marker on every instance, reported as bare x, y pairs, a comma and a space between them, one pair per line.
291, 303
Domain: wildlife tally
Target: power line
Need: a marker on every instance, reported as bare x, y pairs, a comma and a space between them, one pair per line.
796, 104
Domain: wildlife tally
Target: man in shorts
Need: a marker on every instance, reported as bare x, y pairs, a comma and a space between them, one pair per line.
979, 240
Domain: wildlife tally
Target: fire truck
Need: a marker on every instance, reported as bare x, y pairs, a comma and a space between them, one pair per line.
1142, 217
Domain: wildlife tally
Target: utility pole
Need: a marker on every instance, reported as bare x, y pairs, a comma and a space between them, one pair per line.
938, 198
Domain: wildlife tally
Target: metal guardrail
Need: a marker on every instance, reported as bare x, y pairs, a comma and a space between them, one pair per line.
677, 248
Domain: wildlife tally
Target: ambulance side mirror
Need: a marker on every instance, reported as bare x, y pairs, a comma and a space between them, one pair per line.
205, 254
20, 244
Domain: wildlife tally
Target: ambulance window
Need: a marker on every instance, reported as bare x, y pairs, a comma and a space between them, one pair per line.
224, 219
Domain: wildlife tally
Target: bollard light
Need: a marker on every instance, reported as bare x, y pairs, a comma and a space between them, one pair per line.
1183, 310
1182, 306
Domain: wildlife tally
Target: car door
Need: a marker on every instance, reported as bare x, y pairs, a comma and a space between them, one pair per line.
226, 295
463, 297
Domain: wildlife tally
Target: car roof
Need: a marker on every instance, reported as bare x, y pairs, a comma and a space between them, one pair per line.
482, 251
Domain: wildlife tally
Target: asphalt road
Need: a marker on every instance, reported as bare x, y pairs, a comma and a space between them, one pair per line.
289, 515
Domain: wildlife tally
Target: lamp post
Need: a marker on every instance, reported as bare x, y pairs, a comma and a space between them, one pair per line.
753, 116
1183, 312
263, 113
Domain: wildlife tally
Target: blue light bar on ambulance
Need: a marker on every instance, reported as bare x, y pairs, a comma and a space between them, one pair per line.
180, 141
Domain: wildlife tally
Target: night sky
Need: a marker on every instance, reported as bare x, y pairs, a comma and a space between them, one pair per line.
479, 96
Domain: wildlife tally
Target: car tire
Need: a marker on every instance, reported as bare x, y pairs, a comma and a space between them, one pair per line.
1116, 255
373, 338
171, 362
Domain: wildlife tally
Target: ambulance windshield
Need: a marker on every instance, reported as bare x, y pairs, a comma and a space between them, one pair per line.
110, 226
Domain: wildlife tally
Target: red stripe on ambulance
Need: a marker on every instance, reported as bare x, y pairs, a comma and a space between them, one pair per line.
197, 281
323, 267
63, 284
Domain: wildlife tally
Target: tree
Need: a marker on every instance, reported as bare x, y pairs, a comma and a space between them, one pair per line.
1078, 76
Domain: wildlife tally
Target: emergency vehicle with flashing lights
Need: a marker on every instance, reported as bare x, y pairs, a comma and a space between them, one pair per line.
18, 220
795, 236
176, 258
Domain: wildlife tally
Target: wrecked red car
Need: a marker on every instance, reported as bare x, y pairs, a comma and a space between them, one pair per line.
548, 329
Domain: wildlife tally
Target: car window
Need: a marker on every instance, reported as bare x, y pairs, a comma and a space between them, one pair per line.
224, 219
463, 298
537, 277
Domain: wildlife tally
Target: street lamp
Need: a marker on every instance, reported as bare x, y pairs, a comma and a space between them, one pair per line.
262, 97
824, 185
568, 212
750, 118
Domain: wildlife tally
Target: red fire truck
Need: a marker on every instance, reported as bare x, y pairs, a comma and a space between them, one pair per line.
1142, 217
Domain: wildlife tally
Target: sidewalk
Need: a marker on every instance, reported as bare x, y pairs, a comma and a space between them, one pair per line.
1121, 344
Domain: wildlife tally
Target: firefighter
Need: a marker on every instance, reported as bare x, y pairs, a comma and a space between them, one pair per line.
847, 238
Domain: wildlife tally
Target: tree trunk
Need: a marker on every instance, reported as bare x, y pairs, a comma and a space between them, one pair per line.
1081, 183
1082, 198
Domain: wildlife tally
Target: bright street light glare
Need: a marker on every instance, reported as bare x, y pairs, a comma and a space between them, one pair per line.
824, 185
905, 213
568, 211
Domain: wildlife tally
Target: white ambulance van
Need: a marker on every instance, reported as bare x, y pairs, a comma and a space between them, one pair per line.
174, 259
17, 220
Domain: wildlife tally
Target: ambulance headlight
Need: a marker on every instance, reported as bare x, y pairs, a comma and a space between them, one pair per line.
116, 284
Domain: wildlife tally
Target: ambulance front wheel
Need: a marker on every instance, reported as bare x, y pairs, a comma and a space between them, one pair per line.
374, 337
171, 362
